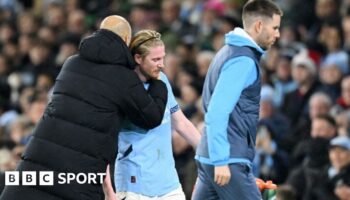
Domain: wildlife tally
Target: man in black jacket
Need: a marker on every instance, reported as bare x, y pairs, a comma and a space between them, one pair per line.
94, 92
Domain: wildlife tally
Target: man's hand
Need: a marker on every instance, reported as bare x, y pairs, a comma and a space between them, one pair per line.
222, 175
343, 192
107, 187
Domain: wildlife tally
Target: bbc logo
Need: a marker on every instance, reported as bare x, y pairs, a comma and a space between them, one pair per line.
29, 178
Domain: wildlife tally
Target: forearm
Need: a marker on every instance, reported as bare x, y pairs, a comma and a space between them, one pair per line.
189, 133
185, 128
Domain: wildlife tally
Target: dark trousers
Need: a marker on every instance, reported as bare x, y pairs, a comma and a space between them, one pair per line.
241, 186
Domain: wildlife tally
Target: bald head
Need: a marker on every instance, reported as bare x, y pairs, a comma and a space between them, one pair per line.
117, 25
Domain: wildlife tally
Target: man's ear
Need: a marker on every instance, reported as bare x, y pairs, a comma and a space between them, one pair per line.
258, 26
127, 40
138, 58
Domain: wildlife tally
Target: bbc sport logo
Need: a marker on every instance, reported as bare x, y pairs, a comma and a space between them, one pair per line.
46, 178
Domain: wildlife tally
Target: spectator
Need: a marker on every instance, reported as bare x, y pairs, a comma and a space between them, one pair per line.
346, 32
21, 129
203, 60
334, 67
68, 46
343, 102
282, 80
76, 23
319, 105
334, 183
305, 176
279, 124
305, 74
270, 162
323, 127
343, 122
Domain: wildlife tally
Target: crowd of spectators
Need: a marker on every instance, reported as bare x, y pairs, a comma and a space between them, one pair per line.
303, 135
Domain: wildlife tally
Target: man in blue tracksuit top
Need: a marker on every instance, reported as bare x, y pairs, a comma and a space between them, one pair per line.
145, 167
231, 96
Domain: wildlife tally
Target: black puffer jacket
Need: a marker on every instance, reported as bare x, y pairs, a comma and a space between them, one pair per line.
94, 92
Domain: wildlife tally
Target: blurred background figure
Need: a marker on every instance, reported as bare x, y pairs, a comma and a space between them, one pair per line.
304, 72
319, 104
285, 192
270, 162
334, 180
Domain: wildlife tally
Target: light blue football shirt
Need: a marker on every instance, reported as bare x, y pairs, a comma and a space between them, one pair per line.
149, 168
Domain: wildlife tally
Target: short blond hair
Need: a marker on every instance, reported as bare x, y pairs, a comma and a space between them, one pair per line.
143, 40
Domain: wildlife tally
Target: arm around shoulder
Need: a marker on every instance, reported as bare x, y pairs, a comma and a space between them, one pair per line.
146, 109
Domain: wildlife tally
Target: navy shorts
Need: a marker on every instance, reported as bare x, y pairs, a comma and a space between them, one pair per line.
242, 184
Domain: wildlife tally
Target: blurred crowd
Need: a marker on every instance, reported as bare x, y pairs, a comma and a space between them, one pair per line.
303, 135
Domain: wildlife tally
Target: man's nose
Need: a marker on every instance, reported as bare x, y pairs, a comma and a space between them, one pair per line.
160, 65
277, 35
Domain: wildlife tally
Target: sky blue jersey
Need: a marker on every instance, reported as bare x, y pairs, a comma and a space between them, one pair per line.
145, 163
